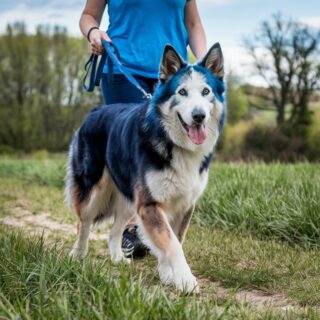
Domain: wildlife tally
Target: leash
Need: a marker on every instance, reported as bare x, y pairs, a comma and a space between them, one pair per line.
112, 56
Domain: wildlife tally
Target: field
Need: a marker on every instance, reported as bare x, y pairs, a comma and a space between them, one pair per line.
254, 245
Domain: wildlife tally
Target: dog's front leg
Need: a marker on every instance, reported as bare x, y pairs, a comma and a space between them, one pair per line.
158, 235
184, 226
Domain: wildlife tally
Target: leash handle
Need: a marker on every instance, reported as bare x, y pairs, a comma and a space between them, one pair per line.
90, 66
112, 56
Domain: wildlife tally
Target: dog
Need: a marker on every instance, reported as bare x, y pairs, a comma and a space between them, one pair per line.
150, 160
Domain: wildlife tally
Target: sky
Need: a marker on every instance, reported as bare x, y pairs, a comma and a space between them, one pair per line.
225, 21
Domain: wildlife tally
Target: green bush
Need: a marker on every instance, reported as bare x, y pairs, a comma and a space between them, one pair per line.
237, 101
232, 140
7, 150
40, 155
313, 136
269, 143
252, 140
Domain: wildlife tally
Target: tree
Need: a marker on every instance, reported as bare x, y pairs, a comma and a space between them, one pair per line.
286, 55
41, 100
307, 73
237, 101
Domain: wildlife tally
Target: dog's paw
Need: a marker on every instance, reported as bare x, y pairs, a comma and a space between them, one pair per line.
186, 283
77, 253
165, 273
120, 258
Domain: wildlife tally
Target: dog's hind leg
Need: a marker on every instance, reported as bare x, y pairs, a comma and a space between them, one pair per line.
80, 247
89, 210
122, 214
157, 234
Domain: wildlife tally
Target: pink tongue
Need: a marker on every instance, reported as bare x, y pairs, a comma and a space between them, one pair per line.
197, 134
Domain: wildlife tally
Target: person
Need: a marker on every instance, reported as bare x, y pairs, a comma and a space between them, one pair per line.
140, 29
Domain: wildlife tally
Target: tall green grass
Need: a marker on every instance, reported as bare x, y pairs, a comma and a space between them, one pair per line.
40, 283
280, 201
277, 200
46, 171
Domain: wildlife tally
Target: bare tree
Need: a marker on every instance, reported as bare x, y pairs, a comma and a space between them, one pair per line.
286, 56
306, 79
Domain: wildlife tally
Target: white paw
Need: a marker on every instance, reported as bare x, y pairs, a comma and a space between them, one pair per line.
77, 253
165, 273
119, 258
186, 282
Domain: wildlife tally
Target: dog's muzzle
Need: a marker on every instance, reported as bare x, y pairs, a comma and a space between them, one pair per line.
197, 131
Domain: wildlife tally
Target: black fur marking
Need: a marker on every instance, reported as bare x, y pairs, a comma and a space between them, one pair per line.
205, 163
173, 103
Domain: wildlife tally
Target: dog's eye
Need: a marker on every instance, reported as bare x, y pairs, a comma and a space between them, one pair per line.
205, 91
183, 92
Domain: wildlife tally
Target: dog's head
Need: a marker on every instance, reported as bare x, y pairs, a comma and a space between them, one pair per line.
190, 97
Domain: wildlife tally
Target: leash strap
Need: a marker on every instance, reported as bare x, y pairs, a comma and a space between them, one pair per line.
112, 56
90, 66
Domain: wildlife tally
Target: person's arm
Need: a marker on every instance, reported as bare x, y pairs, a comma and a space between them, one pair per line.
91, 17
196, 34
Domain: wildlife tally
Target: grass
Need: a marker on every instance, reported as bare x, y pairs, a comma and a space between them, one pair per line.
273, 201
238, 260
41, 283
257, 227
49, 172
38, 281
278, 201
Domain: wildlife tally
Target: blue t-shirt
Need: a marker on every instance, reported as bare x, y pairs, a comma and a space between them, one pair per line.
141, 28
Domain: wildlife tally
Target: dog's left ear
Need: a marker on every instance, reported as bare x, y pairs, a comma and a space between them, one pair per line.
213, 61
171, 63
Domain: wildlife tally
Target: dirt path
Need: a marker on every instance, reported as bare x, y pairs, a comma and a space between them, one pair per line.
43, 224
259, 299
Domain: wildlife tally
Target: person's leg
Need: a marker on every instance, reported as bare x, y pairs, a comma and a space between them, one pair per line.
120, 90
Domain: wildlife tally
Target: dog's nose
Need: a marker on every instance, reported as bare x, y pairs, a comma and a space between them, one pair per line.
198, 116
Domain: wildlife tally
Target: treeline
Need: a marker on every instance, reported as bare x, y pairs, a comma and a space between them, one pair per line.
42, 101
41, 98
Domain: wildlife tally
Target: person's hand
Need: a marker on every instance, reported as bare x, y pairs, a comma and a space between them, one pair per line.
95, 41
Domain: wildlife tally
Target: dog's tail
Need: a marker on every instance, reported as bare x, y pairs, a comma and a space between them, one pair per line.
70, 185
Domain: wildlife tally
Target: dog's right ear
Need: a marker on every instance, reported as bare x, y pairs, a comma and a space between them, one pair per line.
171, 63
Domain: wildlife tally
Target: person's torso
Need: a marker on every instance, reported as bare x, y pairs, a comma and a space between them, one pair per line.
141, 28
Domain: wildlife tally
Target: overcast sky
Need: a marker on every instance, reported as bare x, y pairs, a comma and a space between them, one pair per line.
226, 21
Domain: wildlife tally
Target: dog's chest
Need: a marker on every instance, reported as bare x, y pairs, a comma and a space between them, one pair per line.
179, 186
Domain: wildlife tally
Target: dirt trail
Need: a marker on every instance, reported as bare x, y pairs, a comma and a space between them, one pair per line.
42, 223
259, 299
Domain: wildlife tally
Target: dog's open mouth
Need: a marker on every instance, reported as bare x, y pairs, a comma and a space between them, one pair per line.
196, 132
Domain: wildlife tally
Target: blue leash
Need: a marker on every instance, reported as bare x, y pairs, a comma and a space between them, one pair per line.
112, 56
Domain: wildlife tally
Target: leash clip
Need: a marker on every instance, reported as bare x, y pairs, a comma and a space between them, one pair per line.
147, 96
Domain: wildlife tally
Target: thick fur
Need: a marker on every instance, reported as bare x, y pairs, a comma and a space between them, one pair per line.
129, 159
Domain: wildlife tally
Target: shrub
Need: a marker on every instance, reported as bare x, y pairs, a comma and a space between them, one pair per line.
313, 136
252, 140
237, 101
40, 155
7, 150
268, 143
232, 140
